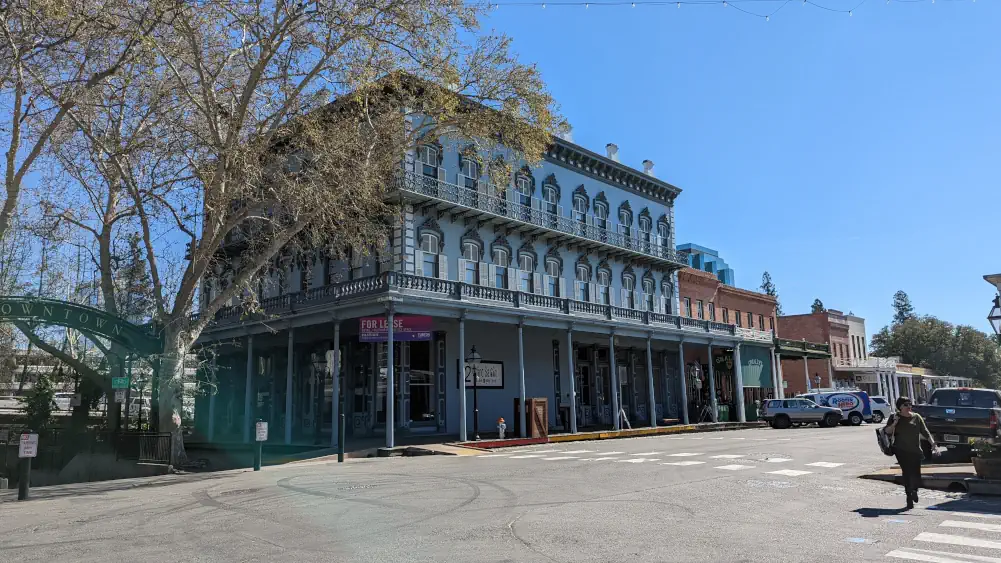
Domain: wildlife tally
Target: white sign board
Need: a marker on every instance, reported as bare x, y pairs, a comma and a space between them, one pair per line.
119, 395
489, 375
262, 431
865, 378
28, 446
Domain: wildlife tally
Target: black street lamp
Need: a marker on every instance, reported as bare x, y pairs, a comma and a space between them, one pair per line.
994, 317
473, 360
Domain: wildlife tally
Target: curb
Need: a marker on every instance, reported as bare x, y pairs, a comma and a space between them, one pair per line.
613, 434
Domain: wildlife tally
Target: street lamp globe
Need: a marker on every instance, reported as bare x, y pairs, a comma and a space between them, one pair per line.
473, 357
995, 315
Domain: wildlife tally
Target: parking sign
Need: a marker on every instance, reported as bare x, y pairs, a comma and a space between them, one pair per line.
28, 446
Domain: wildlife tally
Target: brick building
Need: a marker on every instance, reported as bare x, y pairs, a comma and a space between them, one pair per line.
831, 327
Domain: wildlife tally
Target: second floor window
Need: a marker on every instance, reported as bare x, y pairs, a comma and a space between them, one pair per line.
580, 208
726, 315
471, 254
736, 315
553, 276
761, 322
583, 277
688, 307
601, 215
429, 246
526, 269
663, 231
604, 286
712, 311
645, 228
552, 199
523, 186
428, 156
502, 260
698, 309
650, 295
628, 287
750, 320
771, 323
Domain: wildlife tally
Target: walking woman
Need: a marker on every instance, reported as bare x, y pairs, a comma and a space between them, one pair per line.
907, 428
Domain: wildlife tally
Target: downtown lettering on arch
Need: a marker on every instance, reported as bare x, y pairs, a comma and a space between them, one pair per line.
76, 316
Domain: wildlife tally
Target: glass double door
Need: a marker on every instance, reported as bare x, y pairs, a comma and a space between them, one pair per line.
415, 386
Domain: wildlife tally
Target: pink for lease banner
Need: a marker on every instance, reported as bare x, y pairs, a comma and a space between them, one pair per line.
405, 328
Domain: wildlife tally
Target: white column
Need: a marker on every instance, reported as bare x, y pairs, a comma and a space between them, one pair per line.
782, 387
712, 386
684, 382
213, 389
910, 387
462, 381
652, 403
288, 386
335, 395
896, 387
879, 384
390, 382
523, 419
830, 374
739, 380
247, 418
806, 372
613, 376
775, 375
573, 383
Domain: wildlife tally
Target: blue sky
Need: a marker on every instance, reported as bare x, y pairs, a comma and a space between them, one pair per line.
848, 156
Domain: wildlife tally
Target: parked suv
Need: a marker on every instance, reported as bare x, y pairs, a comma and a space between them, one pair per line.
783, 413
881, 409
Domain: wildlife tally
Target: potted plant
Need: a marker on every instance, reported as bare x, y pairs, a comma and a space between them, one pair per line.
986, 460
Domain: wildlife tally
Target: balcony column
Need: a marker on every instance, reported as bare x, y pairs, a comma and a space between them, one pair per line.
247, 418
213, 390
739, 380
652, 403
613, 377
573, 382
896, 387
522, 415
776, 382
830, 374
806, 373
390, 380
335, 399
910, 387
782, 379
462, 378
684, 381
288, 386
712, 386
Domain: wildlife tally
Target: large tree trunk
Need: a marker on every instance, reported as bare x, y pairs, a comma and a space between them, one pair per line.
175, 349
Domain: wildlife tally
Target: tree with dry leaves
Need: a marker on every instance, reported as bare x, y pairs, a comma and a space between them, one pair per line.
53, 55
276, 129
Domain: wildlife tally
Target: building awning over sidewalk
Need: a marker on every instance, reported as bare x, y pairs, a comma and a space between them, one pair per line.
801, 349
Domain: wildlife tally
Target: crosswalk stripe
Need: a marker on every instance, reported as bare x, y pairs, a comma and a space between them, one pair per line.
727, 456
826, 464
600, 458
559, 458
777, 459
975, 515
493, 455
790, 472
612, 453
683, 454
683, 463
647, 453
931, 556
525, 456
578, 452
635, 460
734, 467
971, 525
957, 540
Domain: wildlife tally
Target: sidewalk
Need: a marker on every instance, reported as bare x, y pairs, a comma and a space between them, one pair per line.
950, 477
613, 434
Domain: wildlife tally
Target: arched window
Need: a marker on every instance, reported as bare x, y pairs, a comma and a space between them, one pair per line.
646, 225
663, 230
604, 279
430, 246
502, 261
628, 290
469, 170
472, 253
526, 271
649, 293
429, 156
583, 282
554, 273
667, 294
551, 195
523, 186
580, 207
601, 215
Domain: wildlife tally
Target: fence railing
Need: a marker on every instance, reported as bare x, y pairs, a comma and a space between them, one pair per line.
58, 446
508, 204
507, 298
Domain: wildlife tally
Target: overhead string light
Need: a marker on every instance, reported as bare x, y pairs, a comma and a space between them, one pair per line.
725, 3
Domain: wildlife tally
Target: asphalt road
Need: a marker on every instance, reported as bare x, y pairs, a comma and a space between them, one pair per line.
752, 495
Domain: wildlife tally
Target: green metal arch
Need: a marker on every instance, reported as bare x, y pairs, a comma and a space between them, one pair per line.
140, 339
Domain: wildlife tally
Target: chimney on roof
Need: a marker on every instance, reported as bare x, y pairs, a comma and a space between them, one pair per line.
612, 151
648, 167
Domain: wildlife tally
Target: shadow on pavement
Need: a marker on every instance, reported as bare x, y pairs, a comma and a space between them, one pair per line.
102, 487
969, 505
877, 512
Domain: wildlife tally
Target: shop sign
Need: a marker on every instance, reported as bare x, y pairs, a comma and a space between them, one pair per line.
405, 328
489, 375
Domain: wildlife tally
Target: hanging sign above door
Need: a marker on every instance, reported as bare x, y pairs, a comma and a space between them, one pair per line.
407, 328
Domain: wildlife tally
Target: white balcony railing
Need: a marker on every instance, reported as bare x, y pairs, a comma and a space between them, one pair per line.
509, 204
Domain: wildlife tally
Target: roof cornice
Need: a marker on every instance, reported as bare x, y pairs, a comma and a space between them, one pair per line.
604, 169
